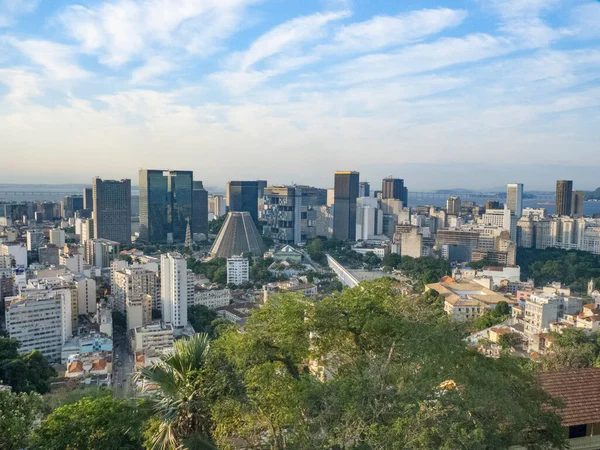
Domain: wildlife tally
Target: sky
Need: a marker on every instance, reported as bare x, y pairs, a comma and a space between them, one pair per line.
445, 94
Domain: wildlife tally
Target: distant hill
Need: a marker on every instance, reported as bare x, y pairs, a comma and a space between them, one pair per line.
594, 195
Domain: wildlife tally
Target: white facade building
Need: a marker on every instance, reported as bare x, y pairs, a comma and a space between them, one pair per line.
17, 251
174, 289
57, 237
213, 298
514, 199
72, 261
40, 320
154, 337
238, 270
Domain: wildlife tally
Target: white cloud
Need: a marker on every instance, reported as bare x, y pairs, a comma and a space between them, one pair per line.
586, 18
521, 8
9, 9
125, 30
154, 68
289, 35
422, 58
384, 31
21, 83
57, 60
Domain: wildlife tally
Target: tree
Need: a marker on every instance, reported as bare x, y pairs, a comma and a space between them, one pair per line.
571, 349
180, 410
371, 259
507, 341
18, 412
392, 260
368, 369
220, 276
490, 318
214, 226
201, 318
102, 423
24, 373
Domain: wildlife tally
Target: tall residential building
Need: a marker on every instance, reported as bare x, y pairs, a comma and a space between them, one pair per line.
112, 210
40, 320
344, 209
129, 285
217, 205
35, 240
200, 209
166, 199
577, 204
242, 196
514, 199
174, 289
392, 188
57, 237
100, 252
238, 270
369, 218
564, 197
453, 205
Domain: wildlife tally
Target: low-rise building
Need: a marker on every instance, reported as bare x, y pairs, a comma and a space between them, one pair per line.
466, 300
213, 298
306, 289
153, 337
542, 308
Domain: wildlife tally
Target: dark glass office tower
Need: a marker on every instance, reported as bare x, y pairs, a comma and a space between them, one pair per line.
242, 196
112, 209
88, 199
165, 204
344, 206
577, 204
200, 209
564, 196
392, 188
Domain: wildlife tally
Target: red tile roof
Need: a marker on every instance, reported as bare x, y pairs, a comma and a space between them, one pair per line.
579, 390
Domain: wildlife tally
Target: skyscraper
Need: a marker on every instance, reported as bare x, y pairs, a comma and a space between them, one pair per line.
364, 189
564, 197
88, 198
199, 209
577, 204
344, 205
166, 199
112, 209
453, 205
392, 188
242, 196
514, 199
174, 289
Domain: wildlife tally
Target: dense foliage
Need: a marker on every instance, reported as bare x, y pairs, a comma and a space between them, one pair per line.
18, 413
365, 369
492, 317
424, 270
24, 373
205, 320
215, 269
571, 267
214, 226
573, 348
101, 423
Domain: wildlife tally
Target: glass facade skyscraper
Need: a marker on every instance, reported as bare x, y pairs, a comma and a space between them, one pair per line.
165, 204
344, 205
242, 196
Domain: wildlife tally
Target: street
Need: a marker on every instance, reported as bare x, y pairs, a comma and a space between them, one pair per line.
122, 367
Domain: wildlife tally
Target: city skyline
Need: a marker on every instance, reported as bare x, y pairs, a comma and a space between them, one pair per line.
311, 88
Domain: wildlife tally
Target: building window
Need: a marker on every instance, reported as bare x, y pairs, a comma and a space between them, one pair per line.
577, 431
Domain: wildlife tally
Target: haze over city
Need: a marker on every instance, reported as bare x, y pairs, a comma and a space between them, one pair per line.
444, 94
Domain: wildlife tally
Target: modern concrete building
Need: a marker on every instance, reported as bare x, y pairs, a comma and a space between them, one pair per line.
35, 239
238, 270
393, 188
17, 251
514, 199
242, 196
112, 210
174, 289
577, 204
199, 221
57, 237
156, 336
40, 320
564, 197
217, 205
453, 205
344, 209
290, 214
237, 236
166, 204
48, 255
364, 189
213, 298
369, 218
100, 252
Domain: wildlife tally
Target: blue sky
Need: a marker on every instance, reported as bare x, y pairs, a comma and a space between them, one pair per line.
474, 93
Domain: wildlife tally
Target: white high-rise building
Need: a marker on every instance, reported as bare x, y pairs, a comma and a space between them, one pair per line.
369, 218
40, 320
17, 251
238, 270
57, 237
514, 199
35, 239
174, 289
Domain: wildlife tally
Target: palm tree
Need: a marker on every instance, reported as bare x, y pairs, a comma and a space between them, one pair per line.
183, 419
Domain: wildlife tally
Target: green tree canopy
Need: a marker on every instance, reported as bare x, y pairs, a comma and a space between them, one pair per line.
24, 373
369, 369
18, 413
101, 423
